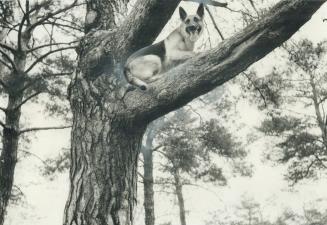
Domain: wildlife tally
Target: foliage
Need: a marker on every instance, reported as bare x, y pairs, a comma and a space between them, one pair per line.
191, 147
289, 90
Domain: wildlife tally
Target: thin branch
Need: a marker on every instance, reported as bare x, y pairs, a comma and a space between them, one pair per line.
256, 87
5, 64
2, 83
214, 23
64, 25
139, 174
13, 51
43, 128
52, 14
209, 2
2, 124
9, 59
3, 109
50, 44
46, 55
20, 6
21, 25
36, 156
27, 99
254, 7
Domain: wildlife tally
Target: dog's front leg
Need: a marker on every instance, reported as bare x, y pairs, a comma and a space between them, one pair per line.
181, 55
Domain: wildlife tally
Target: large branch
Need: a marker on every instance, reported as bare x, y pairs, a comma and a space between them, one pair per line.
208, 70
144, 24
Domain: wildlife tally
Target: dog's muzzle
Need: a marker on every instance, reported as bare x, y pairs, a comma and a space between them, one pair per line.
193, 29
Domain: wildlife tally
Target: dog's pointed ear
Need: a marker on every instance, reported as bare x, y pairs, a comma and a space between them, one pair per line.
200, 10
182, 13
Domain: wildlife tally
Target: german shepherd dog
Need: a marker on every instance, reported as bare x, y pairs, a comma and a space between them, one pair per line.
145, 65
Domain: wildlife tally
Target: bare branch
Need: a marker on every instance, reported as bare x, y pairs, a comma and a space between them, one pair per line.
2, 124
13, 51
80, 29
254, 7
27, 99
52, 14
209, 2
50, 44
5, 64
256, 87
46, 55
214, 23
3, 109
9, 59
43, 128
210, 69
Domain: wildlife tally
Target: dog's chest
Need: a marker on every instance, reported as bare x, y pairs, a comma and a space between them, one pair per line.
185, 46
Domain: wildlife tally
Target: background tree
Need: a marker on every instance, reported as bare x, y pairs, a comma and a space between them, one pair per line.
31, 64
108, 127
296, 115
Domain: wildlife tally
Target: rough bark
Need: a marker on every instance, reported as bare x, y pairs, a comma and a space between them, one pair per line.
180, 198
108, 128
10, 139
8, 156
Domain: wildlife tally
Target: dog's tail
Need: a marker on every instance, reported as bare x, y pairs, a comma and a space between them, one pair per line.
133, 80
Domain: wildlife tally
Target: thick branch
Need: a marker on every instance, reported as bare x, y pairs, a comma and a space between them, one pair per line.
144, 24
208, 70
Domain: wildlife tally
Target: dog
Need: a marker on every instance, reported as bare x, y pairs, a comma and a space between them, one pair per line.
145, 65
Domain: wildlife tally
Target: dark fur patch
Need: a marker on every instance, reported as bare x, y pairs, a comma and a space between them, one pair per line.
157, 49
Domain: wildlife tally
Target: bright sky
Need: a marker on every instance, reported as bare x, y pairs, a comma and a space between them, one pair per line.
44, 199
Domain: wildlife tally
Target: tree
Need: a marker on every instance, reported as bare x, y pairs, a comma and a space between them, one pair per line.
108, 127
302, 136
188, 150
29, 67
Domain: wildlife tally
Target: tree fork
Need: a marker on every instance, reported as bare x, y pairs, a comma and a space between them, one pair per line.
108, 129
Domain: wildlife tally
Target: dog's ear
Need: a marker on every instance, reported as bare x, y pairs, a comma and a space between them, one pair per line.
182, 13
200, 10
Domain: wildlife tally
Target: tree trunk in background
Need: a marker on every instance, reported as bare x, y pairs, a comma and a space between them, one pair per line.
148, 187
8, 156
180, 198
10, 136
148, 180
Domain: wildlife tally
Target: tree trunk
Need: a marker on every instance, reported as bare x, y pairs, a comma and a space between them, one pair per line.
8, 156
180, 198
104, 154
319, 117
147, 151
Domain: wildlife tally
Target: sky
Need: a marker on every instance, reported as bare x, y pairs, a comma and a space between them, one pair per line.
45, 199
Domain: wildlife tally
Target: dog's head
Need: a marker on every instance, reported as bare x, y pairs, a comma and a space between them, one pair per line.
192, 25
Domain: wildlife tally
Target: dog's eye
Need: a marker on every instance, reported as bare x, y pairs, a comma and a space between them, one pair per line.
187, 21
196, 19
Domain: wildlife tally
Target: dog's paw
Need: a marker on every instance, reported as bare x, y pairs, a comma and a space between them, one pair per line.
143, 87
